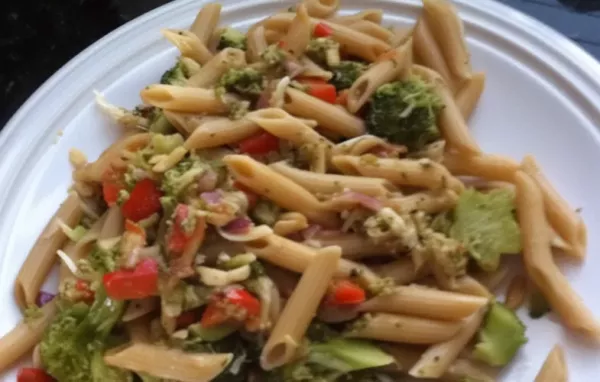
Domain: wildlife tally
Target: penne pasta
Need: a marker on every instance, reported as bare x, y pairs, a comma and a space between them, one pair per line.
42, 256
430, 202
563, 219
379, 74
282, 252
161, 362
400, 36
469, 94
469, 285
299, 33
372, 29
210, 73
321, 8
354, 246
206, 22
189, 45
261, 179
401, 271
256, 43
372, 15
329, 117
554, 368
428, 53
187, 100
365, 144
487, 166
404, 329
540, 265
286, 337
219, 132
425, 302
313, 70
289, 223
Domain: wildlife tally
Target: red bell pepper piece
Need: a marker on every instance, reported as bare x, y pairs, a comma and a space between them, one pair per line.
250, 195
110, 192
342, 97
144, 200
185, 319
32, 374
320, 89
345, 292
322, 30
259, 144
178, 238
140, 282
134, 228
217, 311
83, 287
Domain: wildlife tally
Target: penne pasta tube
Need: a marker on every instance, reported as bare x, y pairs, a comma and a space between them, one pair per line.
554, 368
401, 172
138, 330
469, 285
206, 22
401, 271
113, 225
425, 302
162, 362
354, 246
210, 73
451, 122
189, 45
299, 33
333, 183
563, 219
400, 36
469, 94
282, 252
438, 358
463, 369
447, 29
329, 117
256, 43
284, 126
313, 70
288, 333
539, 263
404, 329
185, 123
273, 186
25, 336
378, 74
430, 202
74, 252
372, 15
364, 144
321, 8
289, 223
488, 166
187, 100
372, 29
428, 53
219, 132
42, 256
516, 292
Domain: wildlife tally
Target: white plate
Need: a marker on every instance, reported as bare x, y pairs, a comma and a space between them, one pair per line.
542, 97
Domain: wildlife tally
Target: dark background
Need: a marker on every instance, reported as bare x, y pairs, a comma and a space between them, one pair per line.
37, 37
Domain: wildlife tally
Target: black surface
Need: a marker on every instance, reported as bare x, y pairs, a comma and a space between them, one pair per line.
37, 37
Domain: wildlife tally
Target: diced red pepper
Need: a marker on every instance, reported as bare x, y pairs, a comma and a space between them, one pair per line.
216, 314
342, 97
144, 200
259, 144
320, 89
140, 282
345, 292
250, 195
86, 293
178, 238
281, 44
134, 228
110, 192
322, 30
186, 319
32, 374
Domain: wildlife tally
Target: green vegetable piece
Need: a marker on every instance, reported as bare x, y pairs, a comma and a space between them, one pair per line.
486, 225
103, 260
231, 38
174, 76
180, 177
273, 55
217, 333
345, 355
346, 73
319, 48
165, 144
238, 261
538, 305
158, 123
247, 82
501, 336
404, 112
266, 212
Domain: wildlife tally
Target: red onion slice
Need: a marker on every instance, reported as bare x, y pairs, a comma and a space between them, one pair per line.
238, 226
364, 200
43, 298
208, 181
212, 197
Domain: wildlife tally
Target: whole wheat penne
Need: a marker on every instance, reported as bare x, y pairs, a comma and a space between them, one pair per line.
380, 73
219, 132
404, 329
469, 94
210, 73
329, 117
42, 256
448, 31
188, 100
372, 15
401, 172
539, 263
168, 363
206, 22
332, 183
554, 368
270, 184
321, 8
299, 33
287, 335
563, 219
425, 302
20, 340
189, 45
488, 166
437, 359
450, 120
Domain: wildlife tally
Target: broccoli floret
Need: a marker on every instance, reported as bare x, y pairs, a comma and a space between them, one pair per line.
485, 223
501, 336
404, 112
324, 51
175, 75
266, 212
231, 38
75, 335
164, 144
538, 305
180, 177
247, 82
273, 56
103, 260
158, 123
102, 372
346, 73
